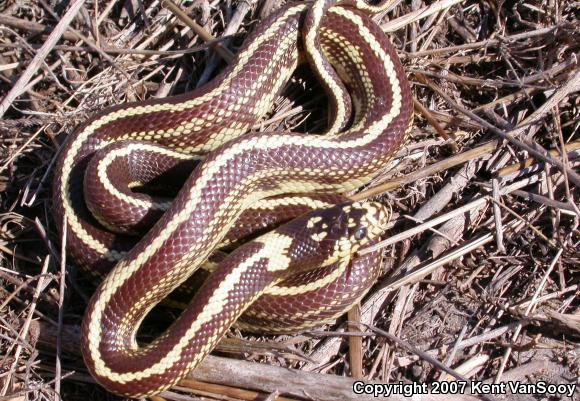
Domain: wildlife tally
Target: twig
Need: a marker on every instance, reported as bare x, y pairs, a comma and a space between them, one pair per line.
528, 224
211, 390
572, 85
355, 343
30, 26
422, 227
529, 308
435, 124
427, 171
564, 207
18, 256
497, 216
223, 51
61, 289
451, 356
424, 12
38, 59
445, 217
290, 382
116, 50
33, 389
88, 42
20, 285
421, 272
515, 167
483, 44
24, 331
487, 336
547, 297
426, 357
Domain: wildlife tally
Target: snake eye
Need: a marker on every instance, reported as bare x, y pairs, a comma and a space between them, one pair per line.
360, 233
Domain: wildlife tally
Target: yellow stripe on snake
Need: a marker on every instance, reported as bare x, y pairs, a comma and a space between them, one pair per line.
301, 273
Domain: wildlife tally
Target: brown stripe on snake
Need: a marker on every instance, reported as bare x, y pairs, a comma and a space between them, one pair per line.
238, 174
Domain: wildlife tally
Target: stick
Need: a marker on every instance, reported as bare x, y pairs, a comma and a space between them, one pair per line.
290, 382
515, 167
24, 331
38, 59
223, 51
61, 288
529, 308
427, 171
30, 26
355, 350
424, 12
571, 86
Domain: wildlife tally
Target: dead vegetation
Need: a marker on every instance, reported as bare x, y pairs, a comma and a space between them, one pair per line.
482, 259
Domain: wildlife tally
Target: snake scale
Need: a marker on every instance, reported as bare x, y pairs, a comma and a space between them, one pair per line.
305, 269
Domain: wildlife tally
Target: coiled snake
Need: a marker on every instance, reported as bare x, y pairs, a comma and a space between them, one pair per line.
306, 264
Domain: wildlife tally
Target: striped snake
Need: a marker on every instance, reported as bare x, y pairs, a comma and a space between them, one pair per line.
303, 272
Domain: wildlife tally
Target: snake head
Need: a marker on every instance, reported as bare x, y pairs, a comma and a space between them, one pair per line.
338, 232
360, 223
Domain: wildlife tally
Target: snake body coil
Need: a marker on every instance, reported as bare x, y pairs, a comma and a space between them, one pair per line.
240, 171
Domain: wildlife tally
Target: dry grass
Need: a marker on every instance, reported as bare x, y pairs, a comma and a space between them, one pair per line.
491, 292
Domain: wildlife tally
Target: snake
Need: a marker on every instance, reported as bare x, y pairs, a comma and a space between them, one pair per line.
301, 262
